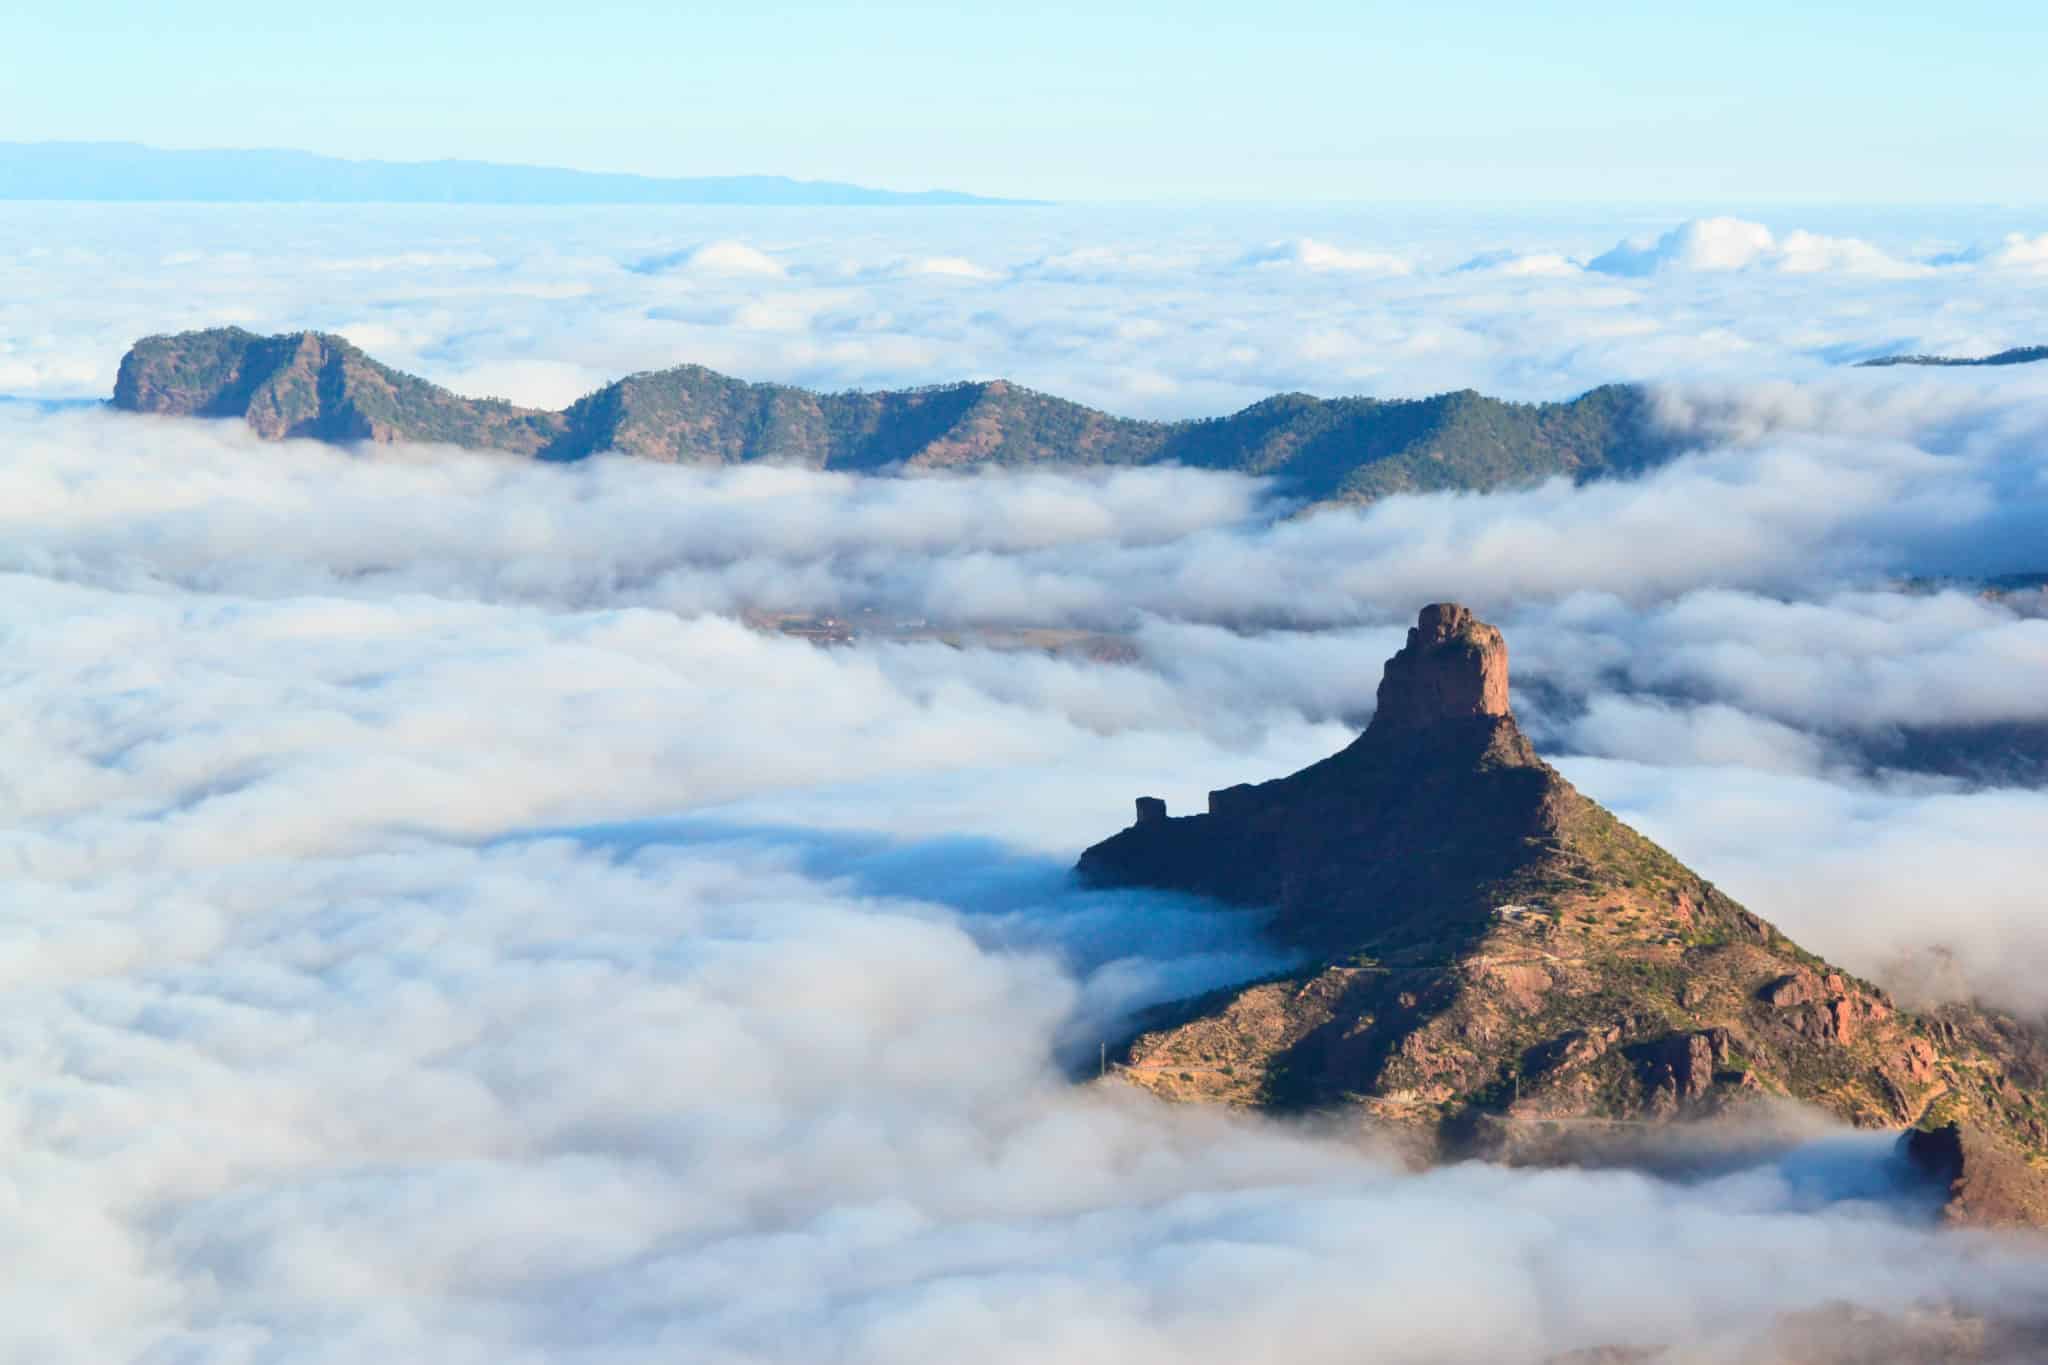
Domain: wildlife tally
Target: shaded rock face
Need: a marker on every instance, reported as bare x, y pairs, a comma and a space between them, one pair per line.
1442, 780
1681, 1067
1491, 960
1984, 1184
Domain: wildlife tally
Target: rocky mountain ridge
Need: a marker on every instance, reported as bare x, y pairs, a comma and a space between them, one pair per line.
1497, 965
2017, 355
319, 386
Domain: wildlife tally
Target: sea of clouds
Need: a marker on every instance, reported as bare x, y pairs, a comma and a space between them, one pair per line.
438, 926
1168, 312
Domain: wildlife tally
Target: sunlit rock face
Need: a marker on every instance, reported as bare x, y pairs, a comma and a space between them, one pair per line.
1454, 665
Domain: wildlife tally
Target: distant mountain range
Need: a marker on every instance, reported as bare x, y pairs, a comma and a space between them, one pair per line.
2018, 355
316, 385
131, 172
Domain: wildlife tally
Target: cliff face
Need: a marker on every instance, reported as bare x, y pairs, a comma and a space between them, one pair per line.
315, 386
1499, 965
1397, 837
1347, 450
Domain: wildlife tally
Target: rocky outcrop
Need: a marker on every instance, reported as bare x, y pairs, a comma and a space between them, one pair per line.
1443, 781
1682, 1067
311, 384
317, 387
1493, 959
1454, 667
1984, 1182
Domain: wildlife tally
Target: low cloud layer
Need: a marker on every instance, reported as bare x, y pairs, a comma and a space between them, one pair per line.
1149, 312
1741, 622
443, 924
593, 983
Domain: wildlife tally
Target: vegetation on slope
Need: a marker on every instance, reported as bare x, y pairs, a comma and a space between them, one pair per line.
1322, 450
2018, 355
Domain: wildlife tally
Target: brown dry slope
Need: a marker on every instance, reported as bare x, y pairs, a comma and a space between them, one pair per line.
1497, 957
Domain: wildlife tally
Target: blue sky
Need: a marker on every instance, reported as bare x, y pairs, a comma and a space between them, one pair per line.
1883, 102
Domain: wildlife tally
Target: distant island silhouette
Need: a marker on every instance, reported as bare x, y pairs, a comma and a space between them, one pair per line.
130, 172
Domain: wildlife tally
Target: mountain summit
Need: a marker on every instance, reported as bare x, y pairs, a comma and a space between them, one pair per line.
1454, 666
1407, 838
1495, 960
319, 386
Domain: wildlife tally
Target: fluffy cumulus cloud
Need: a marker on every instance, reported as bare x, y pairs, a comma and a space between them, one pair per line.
1718, 244
951, 267
715, 259
1306, 253
2017, 251
447, 920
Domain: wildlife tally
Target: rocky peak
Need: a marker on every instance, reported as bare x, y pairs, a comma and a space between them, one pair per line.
1983, 1183
1497, 965
1454, 666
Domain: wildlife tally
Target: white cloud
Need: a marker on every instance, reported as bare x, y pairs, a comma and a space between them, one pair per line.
952, 267
1807, 253
404, 260
1306, 253
534, 383
2016, 251
1515, 263
716, 258
616, 291
2022, 252
504, 964
1724, 244
1698, 244
424, 895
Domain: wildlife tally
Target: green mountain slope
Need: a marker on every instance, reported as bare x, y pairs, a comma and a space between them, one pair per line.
320, 386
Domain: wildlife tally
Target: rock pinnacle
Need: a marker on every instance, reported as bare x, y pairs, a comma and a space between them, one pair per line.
1454, 666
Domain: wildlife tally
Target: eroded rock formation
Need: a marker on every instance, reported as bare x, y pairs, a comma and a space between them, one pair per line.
1454, 666
1494, 960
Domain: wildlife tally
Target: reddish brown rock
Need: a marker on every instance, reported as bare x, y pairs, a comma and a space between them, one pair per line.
1794, 988
1453, 666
